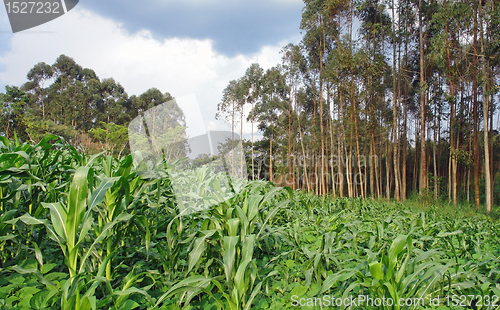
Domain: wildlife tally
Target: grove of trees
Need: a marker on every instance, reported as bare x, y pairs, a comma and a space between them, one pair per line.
73, 102
381, 98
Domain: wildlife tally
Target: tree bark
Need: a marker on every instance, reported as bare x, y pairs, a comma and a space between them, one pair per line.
475, 111
423, 164
486, 114
395, 96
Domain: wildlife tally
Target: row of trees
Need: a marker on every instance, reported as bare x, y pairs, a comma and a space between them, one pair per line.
71, 101
380, 98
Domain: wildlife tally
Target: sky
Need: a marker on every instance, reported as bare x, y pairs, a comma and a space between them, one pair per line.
184, 47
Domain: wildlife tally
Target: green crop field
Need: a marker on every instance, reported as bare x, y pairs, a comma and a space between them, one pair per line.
96, 232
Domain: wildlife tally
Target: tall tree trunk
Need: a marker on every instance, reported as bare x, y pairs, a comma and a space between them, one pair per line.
371, 163
306, 176
423, 163
378, 176
416, 171
491, 136
242, 156
405, 116
290, 173
301, 138
452, 187
436, 178
349, 169
388, 172
271, 155
322, 181
317, 181
332, 145
232, 140
395, 99
476, 152
485, 113
353, 102
355, 115
475, 110
341, 145
253, 162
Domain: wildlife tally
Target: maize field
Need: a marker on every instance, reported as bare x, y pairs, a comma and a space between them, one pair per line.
85, 232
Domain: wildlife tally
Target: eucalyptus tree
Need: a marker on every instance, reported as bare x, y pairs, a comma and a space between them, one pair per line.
165, 121
423, 86
66, 74
299, 115
407, 19
444, 50
375, 30
71, 104
338, 72
253, 84
232, 107
151, 98
342, 96
353, 67
273, 105
396, 90
111, 104
484, 23
321, 30
110, 118
295, 69
12, 113
37, 77
242, 97
491, 45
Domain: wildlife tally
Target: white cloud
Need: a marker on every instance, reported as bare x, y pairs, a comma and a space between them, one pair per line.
136, 60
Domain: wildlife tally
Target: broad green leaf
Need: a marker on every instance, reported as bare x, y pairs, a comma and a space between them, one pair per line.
129, 305
195, 283
98, 194
334, 278
240, 279
30, 220
376, 270
198, 249
58, 217
396, 247
271, 214
7, 237
229, 256
255, 292
233, 226
77, 202
38, 254
107, 229
253, 206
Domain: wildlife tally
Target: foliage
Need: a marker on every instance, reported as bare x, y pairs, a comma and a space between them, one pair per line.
68, 100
